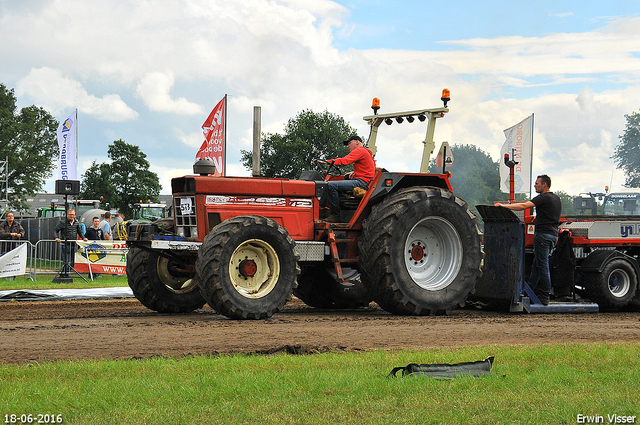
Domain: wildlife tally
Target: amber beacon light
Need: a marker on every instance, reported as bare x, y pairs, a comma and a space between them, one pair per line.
446, 96
375, 105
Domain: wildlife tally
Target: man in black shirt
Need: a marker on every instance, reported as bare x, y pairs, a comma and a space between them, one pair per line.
67, 232
548, 210
95, 233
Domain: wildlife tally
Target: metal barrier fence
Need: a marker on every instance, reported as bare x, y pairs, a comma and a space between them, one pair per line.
39, 228
46, 256
49, 259
6, 246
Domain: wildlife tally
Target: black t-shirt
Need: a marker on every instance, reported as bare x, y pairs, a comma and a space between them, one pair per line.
94, 235
548, 210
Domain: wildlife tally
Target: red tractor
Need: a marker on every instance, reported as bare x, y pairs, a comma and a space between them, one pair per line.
245, 245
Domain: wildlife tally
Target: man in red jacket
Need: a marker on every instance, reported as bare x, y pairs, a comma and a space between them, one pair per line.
364, 168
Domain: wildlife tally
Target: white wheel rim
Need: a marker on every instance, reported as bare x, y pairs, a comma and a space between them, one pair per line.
177, 285
433, 253
619, 283
254, 268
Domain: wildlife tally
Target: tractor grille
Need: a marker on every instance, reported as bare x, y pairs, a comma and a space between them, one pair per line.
186, 216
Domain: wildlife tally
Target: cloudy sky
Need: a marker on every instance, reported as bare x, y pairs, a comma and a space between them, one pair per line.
149, 72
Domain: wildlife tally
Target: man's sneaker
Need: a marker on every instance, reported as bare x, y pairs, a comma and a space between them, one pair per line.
543, 297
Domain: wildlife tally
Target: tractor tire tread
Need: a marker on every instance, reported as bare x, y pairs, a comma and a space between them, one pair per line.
376, 249
210, 268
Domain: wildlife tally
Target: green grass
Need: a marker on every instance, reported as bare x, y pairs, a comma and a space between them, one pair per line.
45, 282
530, 385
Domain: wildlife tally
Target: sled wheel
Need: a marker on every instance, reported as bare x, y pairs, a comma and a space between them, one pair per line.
420, 251
317, 287
162, 284
247, 267
613, 288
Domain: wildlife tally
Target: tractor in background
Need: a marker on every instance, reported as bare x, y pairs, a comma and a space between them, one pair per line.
149, 211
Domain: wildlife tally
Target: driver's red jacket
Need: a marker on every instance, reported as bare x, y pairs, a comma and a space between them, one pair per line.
364, 167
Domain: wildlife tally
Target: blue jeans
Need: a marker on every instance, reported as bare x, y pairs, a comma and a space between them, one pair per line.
540, 274
68, 254
331, 193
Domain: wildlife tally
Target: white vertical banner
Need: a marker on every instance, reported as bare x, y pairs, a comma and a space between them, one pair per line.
14, 262
519, 146
68, 145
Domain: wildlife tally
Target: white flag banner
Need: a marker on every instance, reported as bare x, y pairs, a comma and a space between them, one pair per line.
518, 138
68, 157
14, 262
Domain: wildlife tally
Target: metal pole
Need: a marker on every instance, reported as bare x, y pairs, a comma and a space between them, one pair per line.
257, 125
531, 161
224, 156
429, 144
77, 148
512, 177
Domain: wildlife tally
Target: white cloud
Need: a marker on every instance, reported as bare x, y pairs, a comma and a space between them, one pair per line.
48, 87
181, 58
154, 90
193, 140
610, 50
561, 15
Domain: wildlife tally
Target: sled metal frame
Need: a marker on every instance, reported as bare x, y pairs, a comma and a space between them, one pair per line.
503, 276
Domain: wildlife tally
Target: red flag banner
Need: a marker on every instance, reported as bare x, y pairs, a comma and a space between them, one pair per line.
214, 140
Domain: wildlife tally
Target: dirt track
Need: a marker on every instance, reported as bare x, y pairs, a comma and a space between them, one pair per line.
124, 329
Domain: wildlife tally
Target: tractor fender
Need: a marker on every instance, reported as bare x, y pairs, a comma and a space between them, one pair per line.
392, 182
597, 260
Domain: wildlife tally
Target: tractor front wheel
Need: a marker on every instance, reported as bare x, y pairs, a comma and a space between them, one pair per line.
247, 267
162, 284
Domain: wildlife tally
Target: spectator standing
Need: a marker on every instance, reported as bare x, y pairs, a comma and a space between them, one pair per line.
70, 230
105, 226
95, 233
10, 229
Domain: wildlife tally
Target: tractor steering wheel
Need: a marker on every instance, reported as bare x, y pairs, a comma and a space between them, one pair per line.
337, 171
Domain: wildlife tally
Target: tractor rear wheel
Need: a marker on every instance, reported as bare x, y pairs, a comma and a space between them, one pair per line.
162, 284
614, 288
317, 287
247, 267
420, 251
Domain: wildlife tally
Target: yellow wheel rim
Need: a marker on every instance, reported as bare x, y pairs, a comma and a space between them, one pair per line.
176, 284
254, 268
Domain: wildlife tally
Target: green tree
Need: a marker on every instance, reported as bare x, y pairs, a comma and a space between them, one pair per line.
306, 137
567, 203
28, 142
95, 183
475, 177
627, 154
124, 181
